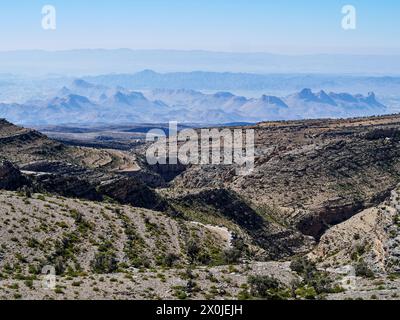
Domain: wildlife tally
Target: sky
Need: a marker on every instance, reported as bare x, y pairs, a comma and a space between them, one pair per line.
284, 26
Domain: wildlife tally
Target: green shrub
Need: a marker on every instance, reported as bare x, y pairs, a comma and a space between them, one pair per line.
312, 277
105, 260
169, 259
232, 255
362, 270
41, 197
192, 250
306, 292
269, 288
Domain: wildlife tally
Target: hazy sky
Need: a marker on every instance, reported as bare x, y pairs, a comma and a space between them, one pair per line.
284, 26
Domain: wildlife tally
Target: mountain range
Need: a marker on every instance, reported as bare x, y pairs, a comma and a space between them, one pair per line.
87, 103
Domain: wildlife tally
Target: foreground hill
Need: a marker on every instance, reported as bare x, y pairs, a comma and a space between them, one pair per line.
81, 236
109, 251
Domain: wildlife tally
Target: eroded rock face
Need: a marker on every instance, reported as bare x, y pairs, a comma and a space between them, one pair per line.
10, 176
277, 242
75, 181
131, 191
319, 172
371, 236
169, 171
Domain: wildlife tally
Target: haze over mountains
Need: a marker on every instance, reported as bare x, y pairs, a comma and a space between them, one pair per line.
98, 61
19, 89
82, 102
282, 83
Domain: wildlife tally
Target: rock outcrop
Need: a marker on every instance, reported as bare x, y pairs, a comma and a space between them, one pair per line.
10, 176
371, 237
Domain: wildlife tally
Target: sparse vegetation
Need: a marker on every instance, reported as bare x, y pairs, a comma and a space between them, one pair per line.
314, 282
266, 287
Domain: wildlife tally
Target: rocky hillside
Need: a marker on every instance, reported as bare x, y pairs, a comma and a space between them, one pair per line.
50, 166
313, 174
323, 196
23, 146
47, 166
371, 237
79, 236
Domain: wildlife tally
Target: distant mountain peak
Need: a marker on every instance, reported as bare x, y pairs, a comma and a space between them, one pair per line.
371, 100
82, 84
77, 98
321, 97
306, 94
222, 94
65, 91
146, 72
347, 97
325, 98
71, 98
273, 100
322, 94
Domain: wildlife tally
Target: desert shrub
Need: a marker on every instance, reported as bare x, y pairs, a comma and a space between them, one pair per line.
105, 260
306, 292
180, 293
169, 259
239, 250
269, 288
362, 270
232, 255
243, 295
135, 247
312, 277
28, 193
29, 283
302, 266
65, 250
192, 250
59, 265
358, 251
33, 243
204, 253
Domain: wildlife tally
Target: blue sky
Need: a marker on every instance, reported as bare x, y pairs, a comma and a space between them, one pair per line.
284, 26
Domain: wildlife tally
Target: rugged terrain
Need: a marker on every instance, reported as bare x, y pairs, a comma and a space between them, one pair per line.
313, 174
323, 196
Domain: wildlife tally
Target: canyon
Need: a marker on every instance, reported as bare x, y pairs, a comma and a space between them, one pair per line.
317, 190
